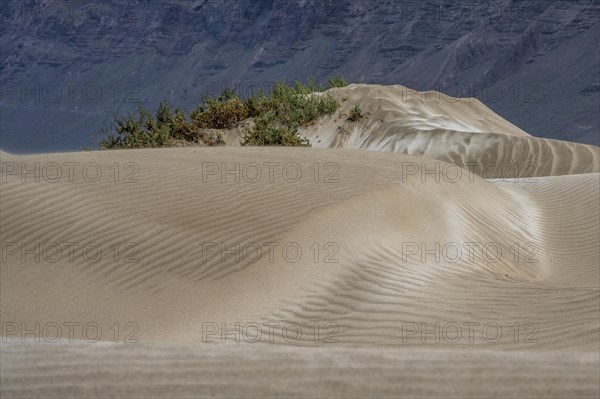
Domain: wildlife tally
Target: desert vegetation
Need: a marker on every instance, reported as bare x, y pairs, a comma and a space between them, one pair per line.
356, 114
164, 128
274, 118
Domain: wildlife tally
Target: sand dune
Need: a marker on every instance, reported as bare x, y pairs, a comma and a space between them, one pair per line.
396, 106
438, 126
341, 272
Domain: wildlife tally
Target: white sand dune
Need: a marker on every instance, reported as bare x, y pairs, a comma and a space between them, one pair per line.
438, 126
421, 284
397, 105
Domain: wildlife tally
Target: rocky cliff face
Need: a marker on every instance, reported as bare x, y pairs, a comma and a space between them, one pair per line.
67, 66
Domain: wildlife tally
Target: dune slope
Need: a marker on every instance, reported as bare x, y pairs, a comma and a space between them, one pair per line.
462, 131
458, 257
291, 248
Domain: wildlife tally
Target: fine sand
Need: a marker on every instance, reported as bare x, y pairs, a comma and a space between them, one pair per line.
413, 269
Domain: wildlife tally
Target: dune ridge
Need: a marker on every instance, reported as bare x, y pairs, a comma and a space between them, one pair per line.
371, 191
415, 277
462, 131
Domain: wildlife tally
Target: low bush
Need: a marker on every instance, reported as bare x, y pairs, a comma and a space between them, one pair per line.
143, 130
337, 81
223, 112
267, 131
136, 131
356, 114
287, 108
277, 117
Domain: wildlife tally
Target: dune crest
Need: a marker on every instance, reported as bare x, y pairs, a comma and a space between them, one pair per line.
457, 130
308, 257
461, 131
376, 221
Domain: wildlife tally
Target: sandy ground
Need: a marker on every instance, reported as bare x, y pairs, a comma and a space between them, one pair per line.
414, 269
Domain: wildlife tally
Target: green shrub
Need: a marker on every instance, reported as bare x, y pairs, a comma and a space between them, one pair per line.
296, 110
337, 81
356, 114
268, 132
256, 104
142, 130
135, 131
277, 118
284, 111
222, 113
